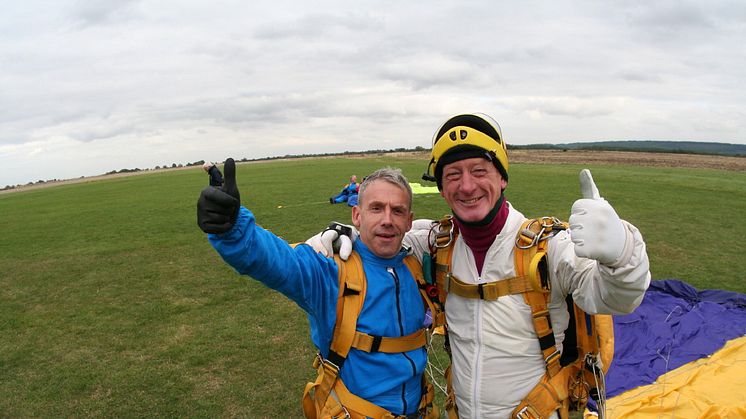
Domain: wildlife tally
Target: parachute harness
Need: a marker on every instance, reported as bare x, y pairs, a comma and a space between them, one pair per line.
567, 383
328, 397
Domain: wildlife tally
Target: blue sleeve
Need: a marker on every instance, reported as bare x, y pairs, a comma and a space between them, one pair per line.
301, 274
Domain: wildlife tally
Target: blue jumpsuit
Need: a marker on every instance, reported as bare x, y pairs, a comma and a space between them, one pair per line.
393, 306
347, 192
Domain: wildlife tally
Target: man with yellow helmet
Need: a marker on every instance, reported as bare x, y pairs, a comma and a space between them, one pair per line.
463, 136
600, 260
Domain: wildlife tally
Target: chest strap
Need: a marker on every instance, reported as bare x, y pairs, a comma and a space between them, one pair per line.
391, 345
490, 290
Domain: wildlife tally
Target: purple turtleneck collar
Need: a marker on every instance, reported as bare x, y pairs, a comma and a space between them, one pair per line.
480, 235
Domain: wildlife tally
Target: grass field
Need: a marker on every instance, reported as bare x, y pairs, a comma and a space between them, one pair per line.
113, 304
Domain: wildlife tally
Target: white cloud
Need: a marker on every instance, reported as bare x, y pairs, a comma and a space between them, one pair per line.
122, 84
92, 12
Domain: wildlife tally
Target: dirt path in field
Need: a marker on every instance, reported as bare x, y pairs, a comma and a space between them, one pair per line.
617, 157
631, 158
698, 161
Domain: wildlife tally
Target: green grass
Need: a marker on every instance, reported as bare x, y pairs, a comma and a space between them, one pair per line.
113, 304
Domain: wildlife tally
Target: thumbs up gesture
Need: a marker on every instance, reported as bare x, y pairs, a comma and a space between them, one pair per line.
595, 228
217, 208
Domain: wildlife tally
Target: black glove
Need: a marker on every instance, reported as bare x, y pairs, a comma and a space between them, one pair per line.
217, 208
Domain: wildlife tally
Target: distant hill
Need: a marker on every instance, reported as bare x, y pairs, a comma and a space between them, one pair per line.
682, 147
688, 147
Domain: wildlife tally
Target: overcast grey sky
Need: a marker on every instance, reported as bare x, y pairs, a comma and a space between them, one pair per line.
87, 87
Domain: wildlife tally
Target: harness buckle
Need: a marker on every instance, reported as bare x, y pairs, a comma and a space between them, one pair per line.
550, 226
480, 290
547, 228
548, 222
331, 364
345, 412
440, 233
527, 238
376, 344
317, 361
579, 390
527, 412
554, 355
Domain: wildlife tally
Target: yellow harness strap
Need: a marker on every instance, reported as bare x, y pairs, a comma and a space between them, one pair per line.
369, 343
349, 303
416, 269
527, 260
449, 404
491, 290
559, 386
350, 300
548, 395
445, 237
328, 397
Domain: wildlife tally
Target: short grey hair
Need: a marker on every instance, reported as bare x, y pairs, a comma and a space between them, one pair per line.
388, 174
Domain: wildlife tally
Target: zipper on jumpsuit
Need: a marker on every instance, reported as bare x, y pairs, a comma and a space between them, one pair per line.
476, 368
394, 275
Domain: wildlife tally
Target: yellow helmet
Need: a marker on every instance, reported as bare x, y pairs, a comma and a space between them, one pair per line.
466, 136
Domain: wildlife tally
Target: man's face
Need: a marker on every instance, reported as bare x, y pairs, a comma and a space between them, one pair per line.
382, 217
472, 187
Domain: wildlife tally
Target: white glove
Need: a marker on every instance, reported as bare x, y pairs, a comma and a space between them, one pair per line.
595, 227
337, 238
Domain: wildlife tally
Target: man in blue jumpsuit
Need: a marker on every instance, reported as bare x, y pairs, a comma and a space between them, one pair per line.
392, 308
348, 192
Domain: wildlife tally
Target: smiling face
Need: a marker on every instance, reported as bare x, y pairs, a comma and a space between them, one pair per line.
472, 187
382, 216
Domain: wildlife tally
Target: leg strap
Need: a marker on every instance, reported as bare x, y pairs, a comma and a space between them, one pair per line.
328, 397
548, 396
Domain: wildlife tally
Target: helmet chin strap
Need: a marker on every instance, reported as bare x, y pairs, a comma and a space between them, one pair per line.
429, 174
487, 219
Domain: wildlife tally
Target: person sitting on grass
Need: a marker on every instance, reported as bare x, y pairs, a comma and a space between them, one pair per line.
348, 191
216, 178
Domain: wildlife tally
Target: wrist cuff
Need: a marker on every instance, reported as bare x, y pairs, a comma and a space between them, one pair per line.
341, 229
629, 246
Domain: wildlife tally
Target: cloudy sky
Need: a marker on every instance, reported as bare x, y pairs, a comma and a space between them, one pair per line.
87, 86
